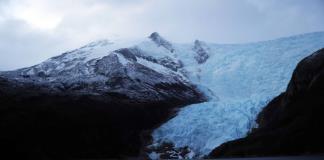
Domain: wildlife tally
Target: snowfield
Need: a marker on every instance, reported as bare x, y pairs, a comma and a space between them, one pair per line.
240, 80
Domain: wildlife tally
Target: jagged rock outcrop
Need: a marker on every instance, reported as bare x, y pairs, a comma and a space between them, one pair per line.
160, 41
291, 123
201, 52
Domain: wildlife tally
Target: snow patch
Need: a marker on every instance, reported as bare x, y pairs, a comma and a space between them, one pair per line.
122, 59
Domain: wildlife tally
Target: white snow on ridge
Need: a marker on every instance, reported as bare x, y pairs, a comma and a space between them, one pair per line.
154, 66
244, 78
104, 47
98, 49
122, 60
71, 59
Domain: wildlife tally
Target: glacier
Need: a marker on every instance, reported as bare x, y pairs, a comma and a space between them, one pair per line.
240, 79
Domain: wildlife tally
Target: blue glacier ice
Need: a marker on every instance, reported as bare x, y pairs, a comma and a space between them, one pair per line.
240, 79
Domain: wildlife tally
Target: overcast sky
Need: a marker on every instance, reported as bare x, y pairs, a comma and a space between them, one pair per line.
34, 30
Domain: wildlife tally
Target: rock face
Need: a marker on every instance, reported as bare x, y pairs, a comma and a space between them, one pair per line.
291, 123
201, 52
80, 105
160, 41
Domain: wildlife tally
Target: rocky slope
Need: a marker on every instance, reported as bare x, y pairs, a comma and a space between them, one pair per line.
292, 123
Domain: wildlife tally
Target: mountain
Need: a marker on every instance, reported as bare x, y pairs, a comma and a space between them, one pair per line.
291, 124
116, 98
98, 101
101, 68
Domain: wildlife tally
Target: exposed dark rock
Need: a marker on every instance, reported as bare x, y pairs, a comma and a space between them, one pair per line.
201, 52
160, 41
164, 61
169, 63
292, 123
167, 150
109, 66
127, 53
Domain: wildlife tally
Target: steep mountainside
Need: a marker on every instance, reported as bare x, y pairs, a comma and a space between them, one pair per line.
98, 101
292, 123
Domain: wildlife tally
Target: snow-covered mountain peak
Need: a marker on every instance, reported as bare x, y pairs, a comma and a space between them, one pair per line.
155, 35
101, 43
135, 67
